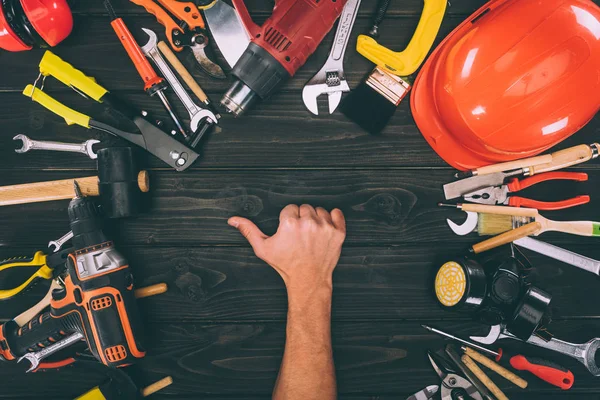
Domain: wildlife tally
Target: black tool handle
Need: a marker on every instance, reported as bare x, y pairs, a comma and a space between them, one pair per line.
382, 7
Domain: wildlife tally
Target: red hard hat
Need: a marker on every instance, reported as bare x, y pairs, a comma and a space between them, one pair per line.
25, 24
511, 81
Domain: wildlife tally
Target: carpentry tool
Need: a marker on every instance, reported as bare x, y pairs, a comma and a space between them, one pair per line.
154, 84
36, 357
537, 226
186, 76
197, 114
481, 388
452, 385
331, 79
190, 32
406, 62
425, 394
492, 176
28, 315
98, 289
27, 24
549, 372
227, 30
584, 353
120, 386
83, 148
47, 268
147, 136
500, 370
118, 184
498, 355
470, 364
278, 48
502, 194
56, 245
381, 10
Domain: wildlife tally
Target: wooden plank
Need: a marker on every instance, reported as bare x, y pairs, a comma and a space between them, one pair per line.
383, 207
372, 359
381, 283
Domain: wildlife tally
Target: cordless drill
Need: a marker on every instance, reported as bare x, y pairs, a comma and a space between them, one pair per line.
97, 299
278, 48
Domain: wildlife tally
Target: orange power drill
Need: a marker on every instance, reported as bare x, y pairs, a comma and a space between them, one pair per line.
96, 304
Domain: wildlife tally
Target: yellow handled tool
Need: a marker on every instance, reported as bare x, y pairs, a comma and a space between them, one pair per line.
406, 62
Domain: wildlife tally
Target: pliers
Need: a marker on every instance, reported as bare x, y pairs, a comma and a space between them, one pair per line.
501, 195
143, 134
453, 386
48, 267
190, 32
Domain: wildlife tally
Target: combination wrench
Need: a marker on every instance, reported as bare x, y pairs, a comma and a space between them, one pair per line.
331, 78
37, 357
197, 114
585, 353
56, 245
83, 148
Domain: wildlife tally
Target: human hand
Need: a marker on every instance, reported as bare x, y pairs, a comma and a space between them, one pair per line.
304, 250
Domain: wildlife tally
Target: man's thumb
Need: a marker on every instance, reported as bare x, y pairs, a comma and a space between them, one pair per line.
250, 231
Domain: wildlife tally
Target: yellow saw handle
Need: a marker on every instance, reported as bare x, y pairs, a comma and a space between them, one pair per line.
71, 116
52, 65
406, 62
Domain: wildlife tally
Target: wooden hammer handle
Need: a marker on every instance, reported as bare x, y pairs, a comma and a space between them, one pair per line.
156, 386
507, 237
57, 190
182, 71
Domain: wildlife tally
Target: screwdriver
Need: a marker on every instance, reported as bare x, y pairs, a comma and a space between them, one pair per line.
154, 84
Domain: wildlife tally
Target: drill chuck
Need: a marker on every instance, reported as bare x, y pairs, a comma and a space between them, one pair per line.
86, 222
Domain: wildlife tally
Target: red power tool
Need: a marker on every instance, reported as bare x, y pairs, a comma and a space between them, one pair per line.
278, 48
97, 303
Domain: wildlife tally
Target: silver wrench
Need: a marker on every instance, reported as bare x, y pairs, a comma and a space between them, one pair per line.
197, 114
84, 148
59, 243
331, 78
37, 357
585, 353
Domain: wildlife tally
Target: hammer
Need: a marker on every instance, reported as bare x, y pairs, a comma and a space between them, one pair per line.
118, 184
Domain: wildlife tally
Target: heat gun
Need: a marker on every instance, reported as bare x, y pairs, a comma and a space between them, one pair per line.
278, 48
96, 302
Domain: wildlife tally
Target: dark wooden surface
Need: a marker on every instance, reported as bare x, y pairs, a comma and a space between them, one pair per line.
219, 331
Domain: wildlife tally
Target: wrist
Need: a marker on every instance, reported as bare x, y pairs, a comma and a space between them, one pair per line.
314, 300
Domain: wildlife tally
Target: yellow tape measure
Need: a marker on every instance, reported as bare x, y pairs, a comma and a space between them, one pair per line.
450, 284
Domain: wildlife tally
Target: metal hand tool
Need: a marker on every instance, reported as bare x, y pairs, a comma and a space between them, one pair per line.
453, 386
83, 148
585, 353
197, 114
502, 194
56, 245
456, 338
331, 78
227, 30
37, 357
425, 394
190, 32
481, 388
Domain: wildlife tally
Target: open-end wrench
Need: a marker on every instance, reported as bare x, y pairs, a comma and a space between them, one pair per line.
36, 357
331, 78
56, 245
585, 353
84, 148
197, 114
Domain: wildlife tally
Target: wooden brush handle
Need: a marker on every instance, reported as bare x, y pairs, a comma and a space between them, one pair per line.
497, 368
507, 237
182, 71
581, 228
517, 164
57, 190
469, 363
500, 210
565, 158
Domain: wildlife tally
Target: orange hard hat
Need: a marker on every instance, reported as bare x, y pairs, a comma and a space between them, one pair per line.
511, 81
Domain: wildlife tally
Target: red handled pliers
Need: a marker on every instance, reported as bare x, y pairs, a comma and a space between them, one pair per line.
501, 194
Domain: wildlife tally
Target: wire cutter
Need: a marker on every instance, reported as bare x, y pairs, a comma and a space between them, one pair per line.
145, 134
48, 268
425, 394
501, 195
190, 32
453, 386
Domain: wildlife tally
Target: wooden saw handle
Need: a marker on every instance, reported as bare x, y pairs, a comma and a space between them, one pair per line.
57, 190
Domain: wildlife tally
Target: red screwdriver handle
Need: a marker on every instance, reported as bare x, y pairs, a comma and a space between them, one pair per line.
545, 370
140, 61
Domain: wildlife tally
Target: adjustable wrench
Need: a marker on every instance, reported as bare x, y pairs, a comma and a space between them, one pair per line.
197, 114
56, 245
331, 78
585, 353
37, 357
84, 148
